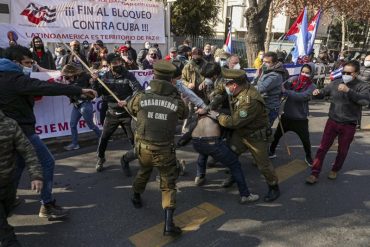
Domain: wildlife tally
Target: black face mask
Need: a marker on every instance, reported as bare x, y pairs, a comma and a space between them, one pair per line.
76, 48
198, 61
117, 69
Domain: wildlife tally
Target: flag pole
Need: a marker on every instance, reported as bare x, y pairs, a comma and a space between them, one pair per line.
98, 79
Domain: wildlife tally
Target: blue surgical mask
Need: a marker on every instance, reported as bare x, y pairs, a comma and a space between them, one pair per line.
27, 71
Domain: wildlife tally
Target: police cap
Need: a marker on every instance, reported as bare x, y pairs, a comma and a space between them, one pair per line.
113, 56
164, 68
234, 75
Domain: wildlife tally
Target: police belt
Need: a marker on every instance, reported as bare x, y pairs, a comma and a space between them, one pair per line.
263, 134
157, 146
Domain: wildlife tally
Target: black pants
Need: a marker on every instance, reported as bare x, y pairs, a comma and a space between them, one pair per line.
103, 110
111, 123
7, 197
300, 127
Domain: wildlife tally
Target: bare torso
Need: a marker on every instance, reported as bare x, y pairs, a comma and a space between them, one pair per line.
206, 127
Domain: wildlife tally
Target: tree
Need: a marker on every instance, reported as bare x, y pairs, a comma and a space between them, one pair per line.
194, 17
256, 16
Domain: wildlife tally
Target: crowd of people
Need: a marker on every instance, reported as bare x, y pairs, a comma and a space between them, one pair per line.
224, 115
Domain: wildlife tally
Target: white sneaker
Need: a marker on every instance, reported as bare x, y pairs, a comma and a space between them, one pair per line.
250, 198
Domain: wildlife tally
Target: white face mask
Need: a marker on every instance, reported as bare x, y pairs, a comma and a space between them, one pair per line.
223, 63
367, 63
27, 71
347, 78
261, 57
207, 53
237, 66
217, 59
147, 46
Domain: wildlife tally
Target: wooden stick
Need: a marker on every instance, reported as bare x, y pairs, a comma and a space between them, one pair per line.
284, 137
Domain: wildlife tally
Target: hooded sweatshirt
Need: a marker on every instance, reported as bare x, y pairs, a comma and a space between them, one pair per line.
269, 85
17, 93
296, 105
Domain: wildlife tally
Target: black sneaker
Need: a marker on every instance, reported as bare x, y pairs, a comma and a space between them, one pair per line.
52, 211
136, 200
125, 167
99, 164
272, 155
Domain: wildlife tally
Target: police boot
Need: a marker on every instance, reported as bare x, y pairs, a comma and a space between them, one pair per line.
169, 227
125, 167
136, 200
273, 193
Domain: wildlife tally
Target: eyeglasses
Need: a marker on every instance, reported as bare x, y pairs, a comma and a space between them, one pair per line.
346, 73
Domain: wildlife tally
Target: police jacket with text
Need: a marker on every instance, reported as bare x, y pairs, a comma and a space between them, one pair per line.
157, 111
123, 85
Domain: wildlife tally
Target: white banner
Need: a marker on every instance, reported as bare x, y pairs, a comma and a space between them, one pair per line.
112, 21
53, 113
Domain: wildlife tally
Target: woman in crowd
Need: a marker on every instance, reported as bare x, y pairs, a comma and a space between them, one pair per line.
150, 59
298, 91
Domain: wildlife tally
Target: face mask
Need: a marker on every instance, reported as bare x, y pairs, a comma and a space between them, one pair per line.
86, 46
147, 46
347, 78
223, 63
228, 91
237, 66
264, 68
367, 63
76, 48
341, 58
207, 53
305, 75
261, 57
27, 71
117, 69
217, 59
57, 54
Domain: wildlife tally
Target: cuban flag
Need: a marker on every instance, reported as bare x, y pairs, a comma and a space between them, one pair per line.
36, 15
336, 74
227, 46
312, 30
298, 34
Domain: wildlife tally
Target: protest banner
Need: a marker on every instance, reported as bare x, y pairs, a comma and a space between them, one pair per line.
111, 21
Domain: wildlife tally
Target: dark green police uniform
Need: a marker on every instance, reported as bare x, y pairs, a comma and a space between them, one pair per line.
158, 110
249, 121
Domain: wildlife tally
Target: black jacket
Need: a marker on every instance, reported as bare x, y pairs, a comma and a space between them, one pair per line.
46, 61
346, 108
132, 55
17, 93
123, 86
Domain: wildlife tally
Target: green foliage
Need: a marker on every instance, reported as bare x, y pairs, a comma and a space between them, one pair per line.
194, 17
356, 33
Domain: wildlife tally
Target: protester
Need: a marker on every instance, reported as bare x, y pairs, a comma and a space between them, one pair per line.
85, 48
234, 62
131, 52
298, 91
187, 47
365, 70
128, 63
208, 56
13, 142
72, 59
221, 57
150, 59
142, 54
123, 84
42, 55
191, 76
269, 83
94, 51
259, 60
172, 54
348, 95
17, 101
182, 55
60, 57
82, 105
159, 53
155, 139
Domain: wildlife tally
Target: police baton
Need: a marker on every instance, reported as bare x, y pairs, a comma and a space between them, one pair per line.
98, 79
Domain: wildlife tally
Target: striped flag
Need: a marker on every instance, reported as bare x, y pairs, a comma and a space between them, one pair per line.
336, 74
227, 46
36, 15
312, 30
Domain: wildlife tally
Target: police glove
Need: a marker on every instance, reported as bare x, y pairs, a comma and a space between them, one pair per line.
213, 114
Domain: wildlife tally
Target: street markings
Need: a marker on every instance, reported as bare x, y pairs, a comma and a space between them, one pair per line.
288, 170
190, 220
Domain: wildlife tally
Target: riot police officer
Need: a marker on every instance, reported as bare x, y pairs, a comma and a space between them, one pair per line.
124, 85
157, 111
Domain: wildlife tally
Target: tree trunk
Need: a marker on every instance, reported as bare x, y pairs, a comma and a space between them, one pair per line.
269, 27
256, 16
343, 32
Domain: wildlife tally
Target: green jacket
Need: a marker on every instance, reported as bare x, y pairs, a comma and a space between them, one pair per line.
13, 141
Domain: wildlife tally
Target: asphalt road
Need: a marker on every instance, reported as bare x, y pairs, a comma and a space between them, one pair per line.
330, 213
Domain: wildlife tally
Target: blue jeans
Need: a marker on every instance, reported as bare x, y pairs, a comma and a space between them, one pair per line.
220, 151
273, 114
47, 162
86, 111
